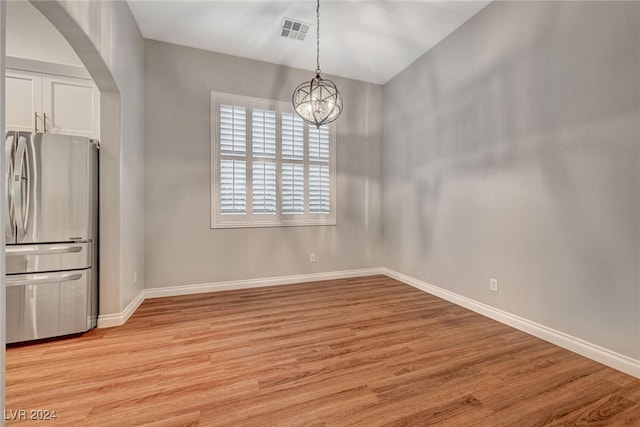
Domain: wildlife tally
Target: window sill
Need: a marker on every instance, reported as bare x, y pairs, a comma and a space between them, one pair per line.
272, 225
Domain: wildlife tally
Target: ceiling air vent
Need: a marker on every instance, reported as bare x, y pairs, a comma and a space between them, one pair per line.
294, 29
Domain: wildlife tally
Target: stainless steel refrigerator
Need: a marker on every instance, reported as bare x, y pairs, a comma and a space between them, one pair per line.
51, 207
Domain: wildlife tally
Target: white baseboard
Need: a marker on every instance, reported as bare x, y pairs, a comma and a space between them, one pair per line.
256, 283
119, 319
607, 357
599, 354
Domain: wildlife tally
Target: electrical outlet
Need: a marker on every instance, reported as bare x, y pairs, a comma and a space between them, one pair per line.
135, 277
312, 257
493, 285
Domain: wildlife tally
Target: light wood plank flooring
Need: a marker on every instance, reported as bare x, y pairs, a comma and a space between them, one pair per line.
367, 351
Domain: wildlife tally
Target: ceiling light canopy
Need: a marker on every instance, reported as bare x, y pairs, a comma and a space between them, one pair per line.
317, 101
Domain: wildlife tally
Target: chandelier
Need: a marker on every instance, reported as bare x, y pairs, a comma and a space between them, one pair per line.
317, 101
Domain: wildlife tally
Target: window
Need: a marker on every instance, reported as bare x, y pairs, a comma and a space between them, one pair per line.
269, 168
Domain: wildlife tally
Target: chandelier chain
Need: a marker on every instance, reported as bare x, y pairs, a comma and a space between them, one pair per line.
318, 38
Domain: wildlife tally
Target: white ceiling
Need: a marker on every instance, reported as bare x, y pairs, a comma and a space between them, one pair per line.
364, 40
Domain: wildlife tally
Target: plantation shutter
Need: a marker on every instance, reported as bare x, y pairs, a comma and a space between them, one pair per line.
319, 189
233, 165
292, 164
319, 179
263, 143
233, 187
292, 137
263, 131
233, 130
292, 188
264, 188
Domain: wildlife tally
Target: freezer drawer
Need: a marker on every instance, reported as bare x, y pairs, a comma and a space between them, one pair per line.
47, 257
49, 304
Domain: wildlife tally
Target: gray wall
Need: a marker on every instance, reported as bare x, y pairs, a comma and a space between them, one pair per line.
128, 70
180, 246
511, 150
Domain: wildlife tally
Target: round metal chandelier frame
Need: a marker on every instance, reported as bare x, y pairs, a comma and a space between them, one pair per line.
317, 101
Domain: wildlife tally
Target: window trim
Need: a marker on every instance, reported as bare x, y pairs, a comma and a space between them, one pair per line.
250, 219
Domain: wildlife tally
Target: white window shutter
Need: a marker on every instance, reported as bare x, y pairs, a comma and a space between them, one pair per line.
233, 130
233, 187
264, 188
319, 189
292, 137
319, 143
292, 188
263, 131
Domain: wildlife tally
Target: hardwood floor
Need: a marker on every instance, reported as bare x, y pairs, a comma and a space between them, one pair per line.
367, 351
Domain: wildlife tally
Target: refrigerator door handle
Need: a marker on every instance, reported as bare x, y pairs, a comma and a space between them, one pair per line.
10, 251
9, 146
43, 278
21, 186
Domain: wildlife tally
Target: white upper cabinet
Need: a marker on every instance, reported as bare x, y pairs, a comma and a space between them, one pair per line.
51, 103
23, 101
71, 105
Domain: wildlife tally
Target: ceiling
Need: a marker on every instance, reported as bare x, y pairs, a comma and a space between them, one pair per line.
365, 40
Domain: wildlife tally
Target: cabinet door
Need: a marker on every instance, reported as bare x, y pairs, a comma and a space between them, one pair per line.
23, 101
71, 106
